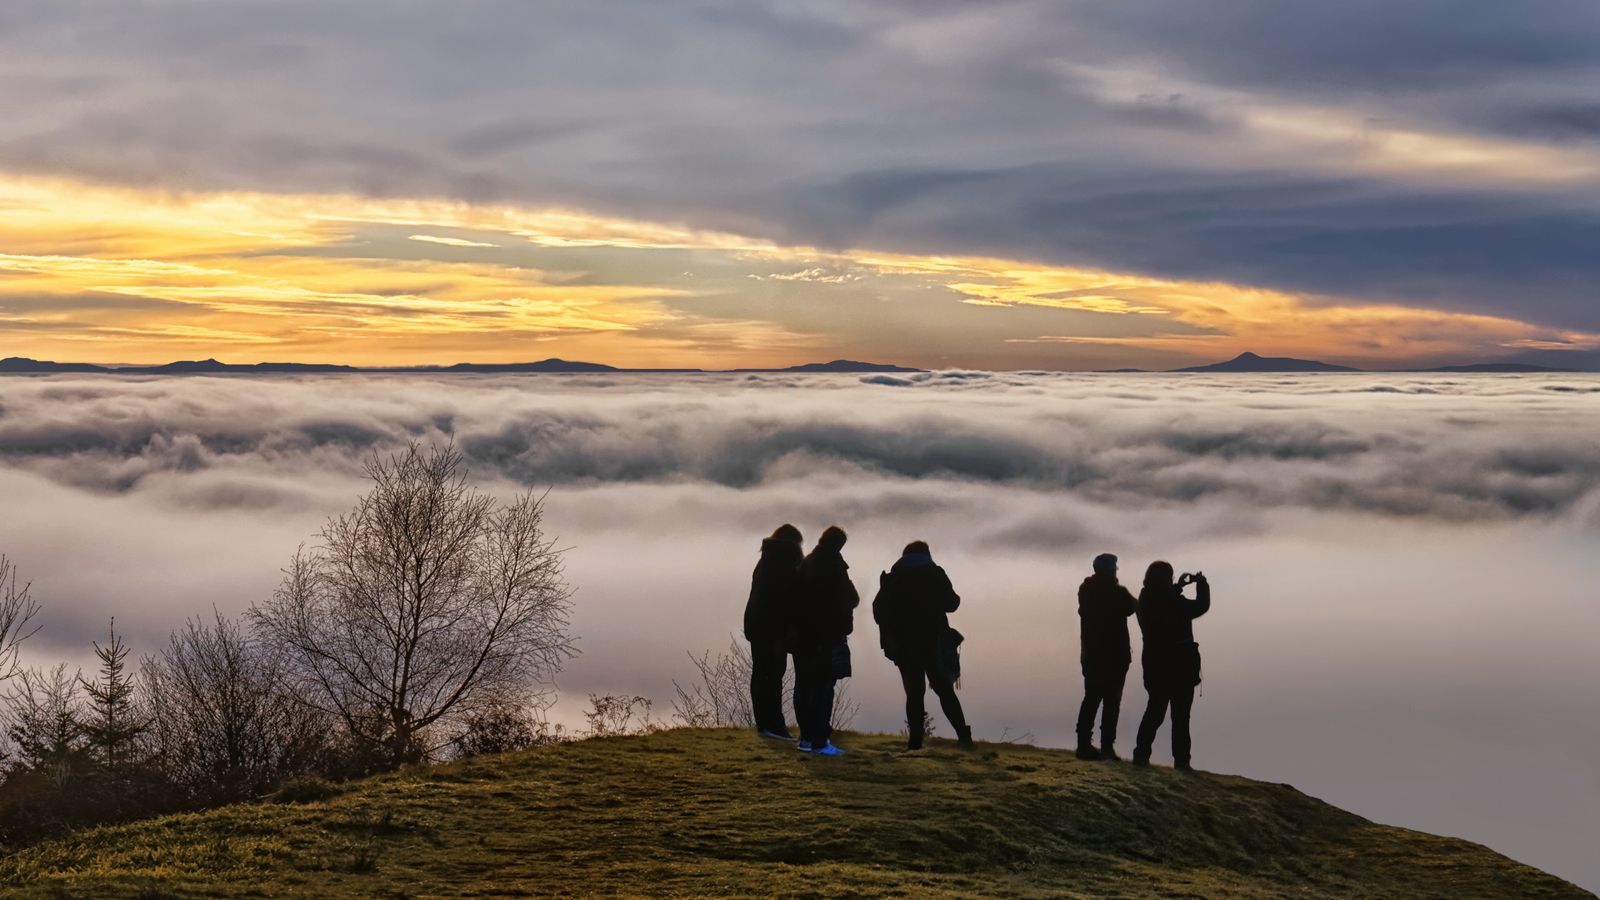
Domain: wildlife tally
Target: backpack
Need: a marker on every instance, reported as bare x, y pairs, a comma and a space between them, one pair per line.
887, 611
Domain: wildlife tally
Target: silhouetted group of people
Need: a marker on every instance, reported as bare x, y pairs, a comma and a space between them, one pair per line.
803, 605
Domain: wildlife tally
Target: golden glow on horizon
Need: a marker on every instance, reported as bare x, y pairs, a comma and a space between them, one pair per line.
1229, 320
152, 278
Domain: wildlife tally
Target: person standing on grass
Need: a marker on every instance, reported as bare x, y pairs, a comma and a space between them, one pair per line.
914, 598
823, 619
766, 627
1105, 653
1171, 658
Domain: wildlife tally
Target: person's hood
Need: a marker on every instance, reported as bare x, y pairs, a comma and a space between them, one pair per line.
827, 557
912, 560
778, 548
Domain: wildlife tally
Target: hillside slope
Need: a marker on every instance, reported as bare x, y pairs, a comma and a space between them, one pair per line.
722, 813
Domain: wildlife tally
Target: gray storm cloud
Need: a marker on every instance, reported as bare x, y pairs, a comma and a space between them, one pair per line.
1114, 135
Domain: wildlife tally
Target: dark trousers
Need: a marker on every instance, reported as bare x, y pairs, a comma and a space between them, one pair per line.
813, 694
1181, 699
916, 679
1102, 686
769, 659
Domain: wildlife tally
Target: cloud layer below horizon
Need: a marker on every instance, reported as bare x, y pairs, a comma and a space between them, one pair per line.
1404, 622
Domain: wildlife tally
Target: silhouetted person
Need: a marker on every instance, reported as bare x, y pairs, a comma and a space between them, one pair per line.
767, 617
913, 599
823, 618
1104, 606
1171, 657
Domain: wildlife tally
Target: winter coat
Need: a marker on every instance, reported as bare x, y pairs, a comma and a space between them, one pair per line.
772, 590
911, 606
1171, 658
825, 600
1103, 610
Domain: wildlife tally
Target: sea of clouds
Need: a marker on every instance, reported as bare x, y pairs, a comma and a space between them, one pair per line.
1404, 566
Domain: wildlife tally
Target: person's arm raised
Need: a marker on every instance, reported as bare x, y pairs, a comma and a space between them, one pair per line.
1201, 604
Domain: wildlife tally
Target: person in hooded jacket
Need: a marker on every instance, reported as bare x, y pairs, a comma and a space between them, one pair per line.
1171, 658
914, 598
1104, 606
823, 618
766, 626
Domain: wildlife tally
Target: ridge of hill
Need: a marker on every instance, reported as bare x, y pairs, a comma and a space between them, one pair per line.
724, 813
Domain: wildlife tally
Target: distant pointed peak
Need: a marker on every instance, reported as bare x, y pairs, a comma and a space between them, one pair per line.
1249, 362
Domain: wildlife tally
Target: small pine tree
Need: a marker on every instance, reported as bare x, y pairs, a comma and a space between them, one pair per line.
113, 723
45, 722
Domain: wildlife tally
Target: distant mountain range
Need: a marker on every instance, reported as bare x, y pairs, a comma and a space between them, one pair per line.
20, 365
1244, 362
1249, 362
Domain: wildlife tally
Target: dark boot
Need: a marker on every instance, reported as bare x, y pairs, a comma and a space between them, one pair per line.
1086, 750
1108, 740
964, 737
915, 741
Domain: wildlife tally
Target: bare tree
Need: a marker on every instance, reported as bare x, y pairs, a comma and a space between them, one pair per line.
721, 698
503, 724
426, 601
16, 610
613, 715
722, 695
224, 721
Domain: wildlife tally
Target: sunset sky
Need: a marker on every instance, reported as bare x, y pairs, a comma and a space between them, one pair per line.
942, 184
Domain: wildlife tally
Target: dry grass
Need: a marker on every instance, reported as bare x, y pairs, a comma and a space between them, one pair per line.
723, 813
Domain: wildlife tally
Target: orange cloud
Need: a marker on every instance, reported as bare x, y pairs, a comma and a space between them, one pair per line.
150, 278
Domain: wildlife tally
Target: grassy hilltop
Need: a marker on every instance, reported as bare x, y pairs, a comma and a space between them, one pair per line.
723, 813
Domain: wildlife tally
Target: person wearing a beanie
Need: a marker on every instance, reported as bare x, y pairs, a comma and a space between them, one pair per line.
767, 616
912, 606
1104, 606
823, 618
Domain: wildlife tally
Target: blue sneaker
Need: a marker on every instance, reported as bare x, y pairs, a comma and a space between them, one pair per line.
805, 747
827, 749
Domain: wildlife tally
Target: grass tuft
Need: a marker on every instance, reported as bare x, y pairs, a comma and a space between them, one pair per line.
307, 789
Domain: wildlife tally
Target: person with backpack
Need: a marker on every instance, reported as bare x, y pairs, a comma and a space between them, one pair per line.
1104, 606
823, 619
766, 627
1171, 658
914, 598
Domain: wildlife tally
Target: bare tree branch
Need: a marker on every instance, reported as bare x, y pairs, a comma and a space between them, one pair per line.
425, 602
17, 609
